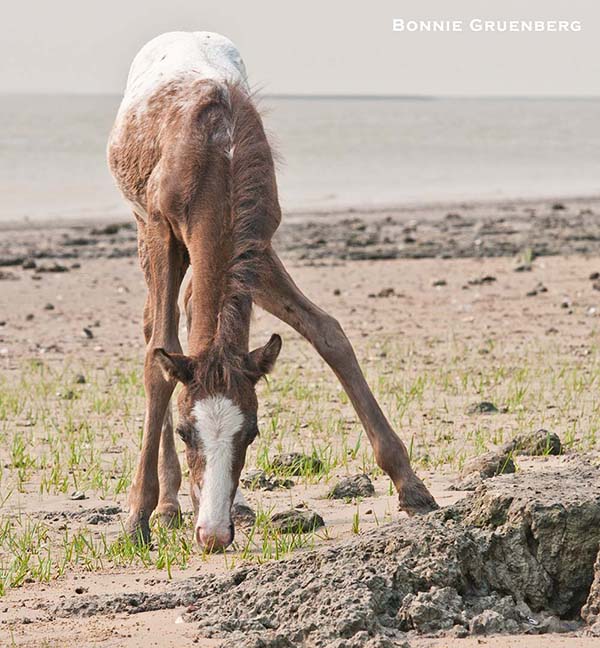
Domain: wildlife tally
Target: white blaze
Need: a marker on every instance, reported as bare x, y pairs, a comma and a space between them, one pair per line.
218, 420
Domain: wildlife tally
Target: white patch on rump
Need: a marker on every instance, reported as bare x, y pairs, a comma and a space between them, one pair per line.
218, 420
203, 55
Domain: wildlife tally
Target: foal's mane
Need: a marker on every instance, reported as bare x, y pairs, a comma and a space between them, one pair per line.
252, 216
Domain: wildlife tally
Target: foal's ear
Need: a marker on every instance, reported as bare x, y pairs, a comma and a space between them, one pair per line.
262, 360
175, 366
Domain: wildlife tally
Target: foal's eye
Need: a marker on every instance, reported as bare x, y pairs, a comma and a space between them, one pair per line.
185, 432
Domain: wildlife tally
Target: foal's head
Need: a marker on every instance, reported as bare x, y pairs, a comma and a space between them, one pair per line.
217, 422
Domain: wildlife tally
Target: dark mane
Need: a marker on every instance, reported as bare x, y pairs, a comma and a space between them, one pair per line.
253, 207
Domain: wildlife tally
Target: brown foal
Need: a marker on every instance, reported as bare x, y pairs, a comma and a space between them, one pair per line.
190, 155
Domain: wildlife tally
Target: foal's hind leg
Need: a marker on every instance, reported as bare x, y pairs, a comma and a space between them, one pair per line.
279, 295
164, 265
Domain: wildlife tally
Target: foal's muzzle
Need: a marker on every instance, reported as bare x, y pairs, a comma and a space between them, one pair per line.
215, 539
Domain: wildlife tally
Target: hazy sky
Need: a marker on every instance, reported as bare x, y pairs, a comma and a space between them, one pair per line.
311, 46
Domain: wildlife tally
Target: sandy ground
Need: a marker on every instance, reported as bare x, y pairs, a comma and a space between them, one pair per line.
435, 335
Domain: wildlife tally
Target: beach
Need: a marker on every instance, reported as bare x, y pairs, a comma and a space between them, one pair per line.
448, 305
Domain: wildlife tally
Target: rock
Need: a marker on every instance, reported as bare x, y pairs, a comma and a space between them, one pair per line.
482, 281
594, 275
78, 495
438, 609
383, 293
29, 264
439, 282
107, 230
294, 521
488, 622
483, 467
539, 288
558, 207
295, 463
354, 486
88, 333
80, 379
259, 480
242, 515
590, 612
485, 407
537, 443
521, 542
523, 267
51, 267
49, 306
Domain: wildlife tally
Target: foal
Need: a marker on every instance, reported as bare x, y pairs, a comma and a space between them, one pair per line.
189, 154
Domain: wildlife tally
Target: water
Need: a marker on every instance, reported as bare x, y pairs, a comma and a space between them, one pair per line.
337, 152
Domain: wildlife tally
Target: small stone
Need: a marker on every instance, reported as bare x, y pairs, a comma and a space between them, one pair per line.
523, 267
482, 281
29, 317
351, 487
337, 292
484, 407
558, 207
29, 264
294, 521
439, 282
537, 443
54, 267
49, 306
107, 230
259, 480
78, 495
87, 332
594, 276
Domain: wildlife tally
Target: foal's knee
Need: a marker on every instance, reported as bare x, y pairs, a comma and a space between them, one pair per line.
331, 341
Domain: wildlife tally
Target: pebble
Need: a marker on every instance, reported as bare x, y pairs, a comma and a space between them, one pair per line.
294, 521
351, 487
78, 495
484, 407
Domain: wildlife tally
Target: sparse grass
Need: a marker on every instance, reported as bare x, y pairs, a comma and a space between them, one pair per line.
58, 436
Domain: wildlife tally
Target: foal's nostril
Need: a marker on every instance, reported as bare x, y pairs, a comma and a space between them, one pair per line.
214, 540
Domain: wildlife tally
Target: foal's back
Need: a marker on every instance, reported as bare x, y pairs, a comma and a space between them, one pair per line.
187, 135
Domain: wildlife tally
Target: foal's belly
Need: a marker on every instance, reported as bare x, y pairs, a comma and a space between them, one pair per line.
175, 55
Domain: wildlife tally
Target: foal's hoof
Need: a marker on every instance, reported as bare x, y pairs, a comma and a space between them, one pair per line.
415, 499
170, 517
138, 530
242, 515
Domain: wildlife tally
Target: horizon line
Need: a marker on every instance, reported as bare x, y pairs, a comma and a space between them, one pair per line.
336, 95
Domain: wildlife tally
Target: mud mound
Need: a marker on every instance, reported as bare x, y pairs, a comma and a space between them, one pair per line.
515, 556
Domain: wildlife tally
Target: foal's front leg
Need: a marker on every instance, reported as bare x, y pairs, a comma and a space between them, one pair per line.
279, 295
164, 267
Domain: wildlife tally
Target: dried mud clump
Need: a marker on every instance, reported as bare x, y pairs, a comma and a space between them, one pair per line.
517, 555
